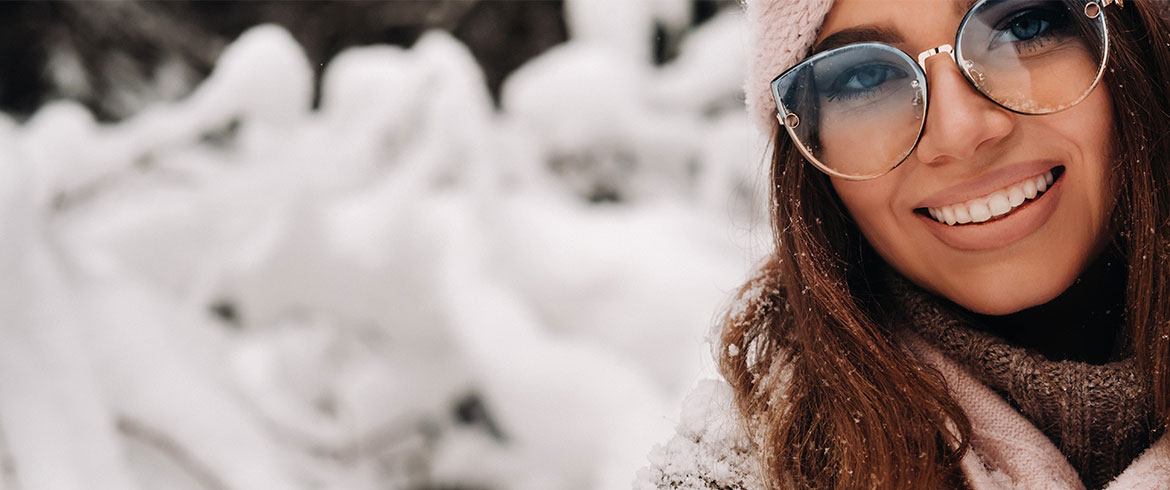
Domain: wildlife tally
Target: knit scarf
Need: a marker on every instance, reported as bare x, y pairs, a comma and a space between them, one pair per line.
1099, 416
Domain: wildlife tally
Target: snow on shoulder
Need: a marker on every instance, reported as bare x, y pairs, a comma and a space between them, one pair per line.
709, 450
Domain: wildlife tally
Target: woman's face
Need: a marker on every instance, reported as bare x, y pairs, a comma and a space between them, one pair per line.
971, 150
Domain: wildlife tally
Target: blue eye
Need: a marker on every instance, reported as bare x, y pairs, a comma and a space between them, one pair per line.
1026, 27
1030, 29
863, 80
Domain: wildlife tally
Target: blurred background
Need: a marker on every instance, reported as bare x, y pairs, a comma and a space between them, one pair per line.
425, 245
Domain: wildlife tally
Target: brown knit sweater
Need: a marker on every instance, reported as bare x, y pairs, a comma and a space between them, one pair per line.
1099, 416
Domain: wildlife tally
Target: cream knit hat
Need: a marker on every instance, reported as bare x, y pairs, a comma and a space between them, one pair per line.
780, 33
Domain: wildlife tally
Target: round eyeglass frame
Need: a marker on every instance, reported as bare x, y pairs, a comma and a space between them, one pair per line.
1094, 9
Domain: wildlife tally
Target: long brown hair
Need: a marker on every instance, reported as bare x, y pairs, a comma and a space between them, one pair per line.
832, 400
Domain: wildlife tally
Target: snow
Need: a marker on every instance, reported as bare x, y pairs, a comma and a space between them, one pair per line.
236, 290
709, 450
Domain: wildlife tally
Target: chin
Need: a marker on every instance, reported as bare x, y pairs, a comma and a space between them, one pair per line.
997, 305
1004, 294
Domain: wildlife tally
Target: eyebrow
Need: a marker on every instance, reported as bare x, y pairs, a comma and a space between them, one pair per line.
859, 34
871, 33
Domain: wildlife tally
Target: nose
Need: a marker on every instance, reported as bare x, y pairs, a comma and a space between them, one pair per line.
959, 120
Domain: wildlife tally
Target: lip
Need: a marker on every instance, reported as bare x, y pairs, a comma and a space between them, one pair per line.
991, 182
1001, 232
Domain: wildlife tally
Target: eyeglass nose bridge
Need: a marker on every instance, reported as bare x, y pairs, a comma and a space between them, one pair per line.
946, 48
974, 74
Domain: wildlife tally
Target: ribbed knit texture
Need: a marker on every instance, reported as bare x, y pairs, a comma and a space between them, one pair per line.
1098, 416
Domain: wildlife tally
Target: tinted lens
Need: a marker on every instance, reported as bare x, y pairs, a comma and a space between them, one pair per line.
855, 111
1033, 56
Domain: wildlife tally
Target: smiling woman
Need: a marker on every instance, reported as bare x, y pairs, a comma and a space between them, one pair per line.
955, 217
969, 282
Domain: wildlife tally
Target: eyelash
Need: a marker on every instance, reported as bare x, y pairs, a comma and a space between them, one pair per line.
835, 93
1056, 23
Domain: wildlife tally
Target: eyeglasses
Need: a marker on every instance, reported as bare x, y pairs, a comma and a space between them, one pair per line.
858, 111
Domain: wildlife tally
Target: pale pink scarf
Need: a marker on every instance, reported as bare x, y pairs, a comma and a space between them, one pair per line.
1009, 453
711, 450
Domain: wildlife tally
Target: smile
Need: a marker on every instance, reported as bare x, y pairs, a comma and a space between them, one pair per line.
998, 218
996, 204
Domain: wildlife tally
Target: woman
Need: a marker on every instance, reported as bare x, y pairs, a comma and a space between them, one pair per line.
970, 285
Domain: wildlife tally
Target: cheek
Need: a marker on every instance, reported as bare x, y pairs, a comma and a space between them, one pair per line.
1092, 184
1099, 173
867, 142
1099, 181
871, 204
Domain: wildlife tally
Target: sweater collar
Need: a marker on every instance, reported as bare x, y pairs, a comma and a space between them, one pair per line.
1099, 415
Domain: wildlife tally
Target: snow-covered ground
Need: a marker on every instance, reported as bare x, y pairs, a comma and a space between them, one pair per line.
404, 287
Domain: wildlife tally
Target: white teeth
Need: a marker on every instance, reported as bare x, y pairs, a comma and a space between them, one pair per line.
998, 203
1030, 189
962, 215
979, 211
1015, 196
949, 216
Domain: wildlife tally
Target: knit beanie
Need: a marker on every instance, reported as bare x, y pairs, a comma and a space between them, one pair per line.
780, 33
